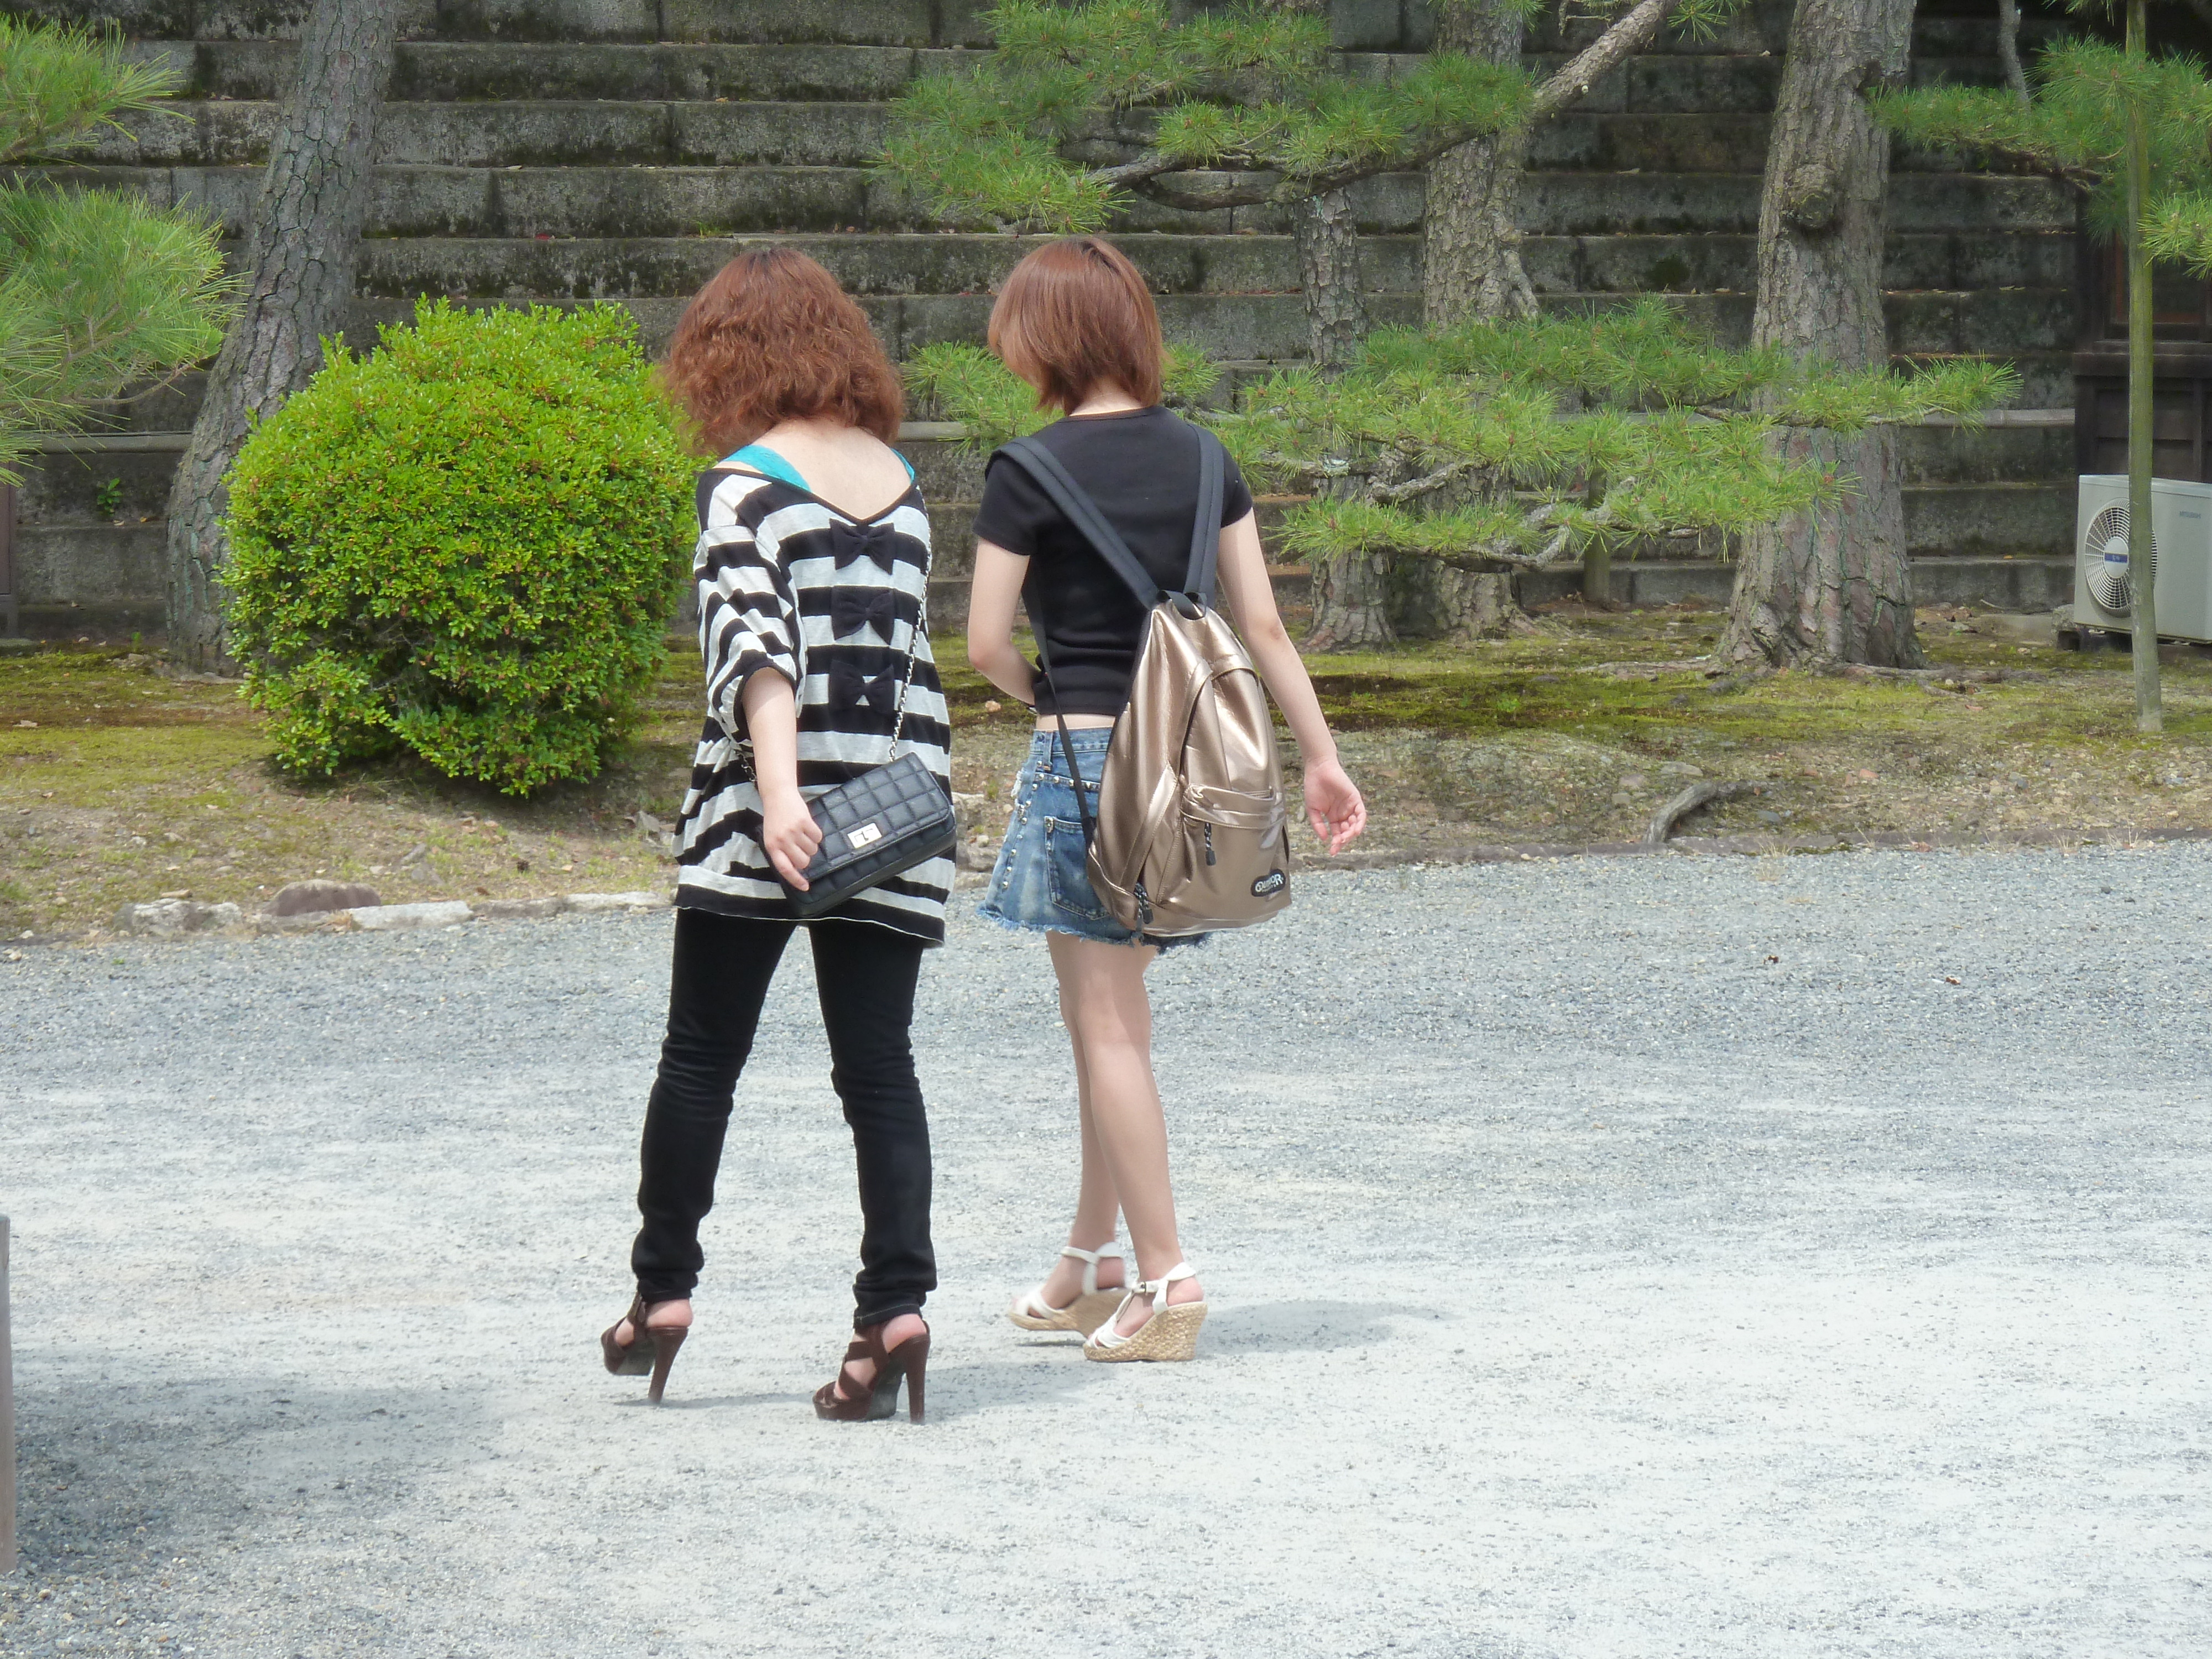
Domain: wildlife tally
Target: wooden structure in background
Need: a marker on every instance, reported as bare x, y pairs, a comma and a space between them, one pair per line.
2181, 402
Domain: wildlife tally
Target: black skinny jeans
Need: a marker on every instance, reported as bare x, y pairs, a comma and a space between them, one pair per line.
867, 976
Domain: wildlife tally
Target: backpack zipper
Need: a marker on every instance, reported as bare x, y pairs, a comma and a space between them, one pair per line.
1209, 843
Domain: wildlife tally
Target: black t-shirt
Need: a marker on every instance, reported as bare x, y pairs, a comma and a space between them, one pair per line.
1141, 467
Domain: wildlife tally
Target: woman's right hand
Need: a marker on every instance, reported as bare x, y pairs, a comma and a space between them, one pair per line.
1334, 806
789, 833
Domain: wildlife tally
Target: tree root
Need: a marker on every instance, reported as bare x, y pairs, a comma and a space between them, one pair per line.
1722, 685
1932, 678
1697, 797
1640, 670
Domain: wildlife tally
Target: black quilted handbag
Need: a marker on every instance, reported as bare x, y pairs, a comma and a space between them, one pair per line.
887, 820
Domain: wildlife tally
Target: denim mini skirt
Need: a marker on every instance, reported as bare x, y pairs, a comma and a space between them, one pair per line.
1041, 881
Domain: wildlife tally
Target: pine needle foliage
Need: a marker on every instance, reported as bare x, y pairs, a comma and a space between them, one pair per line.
1524, 443
97, 289
2076, 127
1083, 103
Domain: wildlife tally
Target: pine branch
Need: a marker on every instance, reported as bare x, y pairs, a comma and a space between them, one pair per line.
2074, 129
98, 291
1523, 443
996, 144
62, 84
1620, 42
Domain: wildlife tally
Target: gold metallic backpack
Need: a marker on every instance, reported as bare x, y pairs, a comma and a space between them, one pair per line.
1190, 836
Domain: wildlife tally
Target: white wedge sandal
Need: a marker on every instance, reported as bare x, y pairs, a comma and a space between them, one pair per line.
1167, 1334
1092, 1307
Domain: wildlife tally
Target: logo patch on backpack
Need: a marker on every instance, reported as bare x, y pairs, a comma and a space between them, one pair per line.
1269, 884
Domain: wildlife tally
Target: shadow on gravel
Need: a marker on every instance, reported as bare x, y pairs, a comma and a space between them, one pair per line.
134, 1497
1303, 1325
961, 1390
674, 1402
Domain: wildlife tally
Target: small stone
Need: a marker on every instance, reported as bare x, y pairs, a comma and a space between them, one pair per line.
1634, 781
598, 902
328, 921
298, 897
389, 918
520, 909
174, 917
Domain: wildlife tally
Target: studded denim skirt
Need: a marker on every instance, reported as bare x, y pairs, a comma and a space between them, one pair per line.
1042, 882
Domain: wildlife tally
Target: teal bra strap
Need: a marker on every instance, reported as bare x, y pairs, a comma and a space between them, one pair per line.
767, 462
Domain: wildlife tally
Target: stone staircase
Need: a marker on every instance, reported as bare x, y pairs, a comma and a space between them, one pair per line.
566, 150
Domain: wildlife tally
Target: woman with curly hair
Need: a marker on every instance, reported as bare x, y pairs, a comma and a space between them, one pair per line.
812, 567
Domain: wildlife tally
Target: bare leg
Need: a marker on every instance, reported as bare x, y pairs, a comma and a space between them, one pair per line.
1102, 990
1098, 1204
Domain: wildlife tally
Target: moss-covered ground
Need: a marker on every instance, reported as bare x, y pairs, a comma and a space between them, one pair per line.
118, 784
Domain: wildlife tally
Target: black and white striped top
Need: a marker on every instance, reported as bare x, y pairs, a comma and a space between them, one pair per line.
835, 603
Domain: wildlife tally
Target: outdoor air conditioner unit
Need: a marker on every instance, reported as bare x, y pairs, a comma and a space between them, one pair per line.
2180, 552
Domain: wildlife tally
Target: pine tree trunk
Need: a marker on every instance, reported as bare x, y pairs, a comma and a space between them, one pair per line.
302, 249
1471, 234
1328, 271
1835, 584
1351, 603
1350, 596
2009, 49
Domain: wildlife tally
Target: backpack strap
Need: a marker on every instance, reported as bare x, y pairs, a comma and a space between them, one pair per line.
1077, 507
1206, 532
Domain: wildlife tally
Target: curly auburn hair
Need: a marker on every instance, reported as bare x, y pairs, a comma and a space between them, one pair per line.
773, 338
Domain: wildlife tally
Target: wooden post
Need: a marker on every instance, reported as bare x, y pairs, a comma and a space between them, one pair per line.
8, 560
2149, 711
7, 1419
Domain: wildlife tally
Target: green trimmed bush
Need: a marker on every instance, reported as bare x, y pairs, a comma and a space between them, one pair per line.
464, 543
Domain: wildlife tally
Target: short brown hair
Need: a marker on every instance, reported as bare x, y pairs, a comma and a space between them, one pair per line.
1076, 312
773, 338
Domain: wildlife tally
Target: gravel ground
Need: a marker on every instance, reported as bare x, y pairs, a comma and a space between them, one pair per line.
1658, 1257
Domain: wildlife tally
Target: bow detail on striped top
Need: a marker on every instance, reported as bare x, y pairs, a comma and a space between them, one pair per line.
877, 543
851, 609
849, 687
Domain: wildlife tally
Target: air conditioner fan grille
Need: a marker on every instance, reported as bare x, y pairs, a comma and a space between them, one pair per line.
2108, 572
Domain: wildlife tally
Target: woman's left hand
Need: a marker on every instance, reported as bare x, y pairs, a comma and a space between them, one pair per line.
1334, 806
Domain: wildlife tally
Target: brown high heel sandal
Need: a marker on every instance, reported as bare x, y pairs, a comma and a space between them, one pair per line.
880, 1400
650, 1348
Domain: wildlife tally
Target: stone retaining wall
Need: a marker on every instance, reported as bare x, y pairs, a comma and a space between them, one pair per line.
567, 150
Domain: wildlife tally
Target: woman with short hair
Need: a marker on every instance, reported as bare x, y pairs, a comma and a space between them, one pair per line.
1076, 320
812, 566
